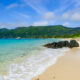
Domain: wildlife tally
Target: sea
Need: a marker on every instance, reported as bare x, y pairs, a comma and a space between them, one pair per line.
23, 59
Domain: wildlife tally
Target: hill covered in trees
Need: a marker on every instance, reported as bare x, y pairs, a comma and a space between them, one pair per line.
57, 31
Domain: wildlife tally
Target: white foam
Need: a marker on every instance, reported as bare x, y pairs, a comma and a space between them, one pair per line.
34, 65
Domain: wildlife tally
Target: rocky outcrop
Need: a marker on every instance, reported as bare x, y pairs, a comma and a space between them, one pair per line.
74, 43
61, 44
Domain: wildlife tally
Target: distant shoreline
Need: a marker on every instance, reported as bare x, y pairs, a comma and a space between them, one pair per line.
44, 38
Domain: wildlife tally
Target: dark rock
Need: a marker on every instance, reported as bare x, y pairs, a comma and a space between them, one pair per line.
61, 44
48, 45
74, 43
54, 45
66, 44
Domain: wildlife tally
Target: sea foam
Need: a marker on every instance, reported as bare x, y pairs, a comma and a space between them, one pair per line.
34, 64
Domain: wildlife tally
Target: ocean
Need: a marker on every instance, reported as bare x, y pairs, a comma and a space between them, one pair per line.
23, 59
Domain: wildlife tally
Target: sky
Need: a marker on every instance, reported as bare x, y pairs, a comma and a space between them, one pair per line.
17, 13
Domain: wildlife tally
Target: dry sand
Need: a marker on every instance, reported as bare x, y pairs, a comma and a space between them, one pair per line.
67, 67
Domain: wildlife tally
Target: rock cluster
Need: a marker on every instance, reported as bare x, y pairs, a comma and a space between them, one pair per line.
61, 44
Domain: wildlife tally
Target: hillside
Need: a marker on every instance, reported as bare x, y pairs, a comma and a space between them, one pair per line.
40, 32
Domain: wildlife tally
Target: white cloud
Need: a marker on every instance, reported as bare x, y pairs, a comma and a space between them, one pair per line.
77, 3
48, 16
13, 25
66, 16
69, 8
75, 17
63, 6
42, 23
24, 15
12, 6
66, 24
36, 5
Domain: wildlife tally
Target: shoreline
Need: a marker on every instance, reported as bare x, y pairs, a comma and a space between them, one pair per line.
44, 38
67, 67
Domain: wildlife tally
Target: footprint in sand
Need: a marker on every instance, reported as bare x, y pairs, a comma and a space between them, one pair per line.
54, 77
37, 79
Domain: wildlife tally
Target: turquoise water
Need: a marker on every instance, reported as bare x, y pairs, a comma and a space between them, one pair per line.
12, 48
25, 58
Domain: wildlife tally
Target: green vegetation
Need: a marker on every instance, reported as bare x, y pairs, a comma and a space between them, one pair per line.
57, 31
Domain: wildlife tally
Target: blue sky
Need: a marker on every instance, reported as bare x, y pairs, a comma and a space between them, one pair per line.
14, 13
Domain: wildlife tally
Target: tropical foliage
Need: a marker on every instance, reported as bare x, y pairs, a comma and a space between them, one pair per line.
57, 31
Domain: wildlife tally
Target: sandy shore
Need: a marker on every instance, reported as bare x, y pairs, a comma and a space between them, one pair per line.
67, 67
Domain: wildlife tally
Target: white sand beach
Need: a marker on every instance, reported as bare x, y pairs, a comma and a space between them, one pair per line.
67, 67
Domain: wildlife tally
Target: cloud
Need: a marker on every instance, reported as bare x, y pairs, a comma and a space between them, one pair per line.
49, 16
77, 3
40, 7
63, 6
36, 5
71, 15
24, 15
66, 16
48, 11
13, 25
11, 6
75, 17
66, 24
41, 23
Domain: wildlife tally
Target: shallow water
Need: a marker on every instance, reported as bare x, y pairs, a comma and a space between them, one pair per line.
23, 59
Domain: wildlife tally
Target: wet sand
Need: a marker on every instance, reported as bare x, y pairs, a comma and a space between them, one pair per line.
67, 67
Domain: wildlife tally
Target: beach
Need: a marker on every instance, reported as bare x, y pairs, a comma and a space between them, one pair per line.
67, 67
28, 59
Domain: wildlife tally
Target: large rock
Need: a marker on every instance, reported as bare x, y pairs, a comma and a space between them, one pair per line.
74, 43
63, 44
60, 44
